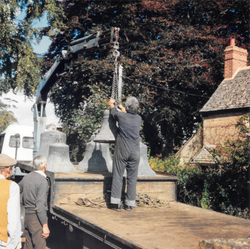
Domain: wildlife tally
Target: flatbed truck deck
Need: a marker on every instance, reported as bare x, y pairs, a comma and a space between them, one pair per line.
175, 225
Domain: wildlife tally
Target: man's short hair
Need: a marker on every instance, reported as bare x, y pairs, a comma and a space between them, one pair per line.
39, 162
6, 161
132, 105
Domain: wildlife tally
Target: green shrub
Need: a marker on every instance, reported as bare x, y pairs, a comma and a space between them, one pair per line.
169, 165
232, 172
187, 189
222, 187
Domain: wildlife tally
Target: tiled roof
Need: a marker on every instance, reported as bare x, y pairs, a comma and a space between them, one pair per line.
231, 93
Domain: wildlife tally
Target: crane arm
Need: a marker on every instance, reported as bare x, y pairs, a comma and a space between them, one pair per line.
59, 68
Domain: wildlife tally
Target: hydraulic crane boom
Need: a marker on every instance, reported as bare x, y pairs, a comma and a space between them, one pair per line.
60, 67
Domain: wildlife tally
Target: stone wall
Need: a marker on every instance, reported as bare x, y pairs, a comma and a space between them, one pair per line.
190, 148
219, 128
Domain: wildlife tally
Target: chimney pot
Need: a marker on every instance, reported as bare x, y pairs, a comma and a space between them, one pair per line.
232, 42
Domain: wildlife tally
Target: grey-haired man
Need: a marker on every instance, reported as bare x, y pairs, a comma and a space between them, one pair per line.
34, 191
127, 152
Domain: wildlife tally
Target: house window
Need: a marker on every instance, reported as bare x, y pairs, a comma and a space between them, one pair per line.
248, 123
28, 142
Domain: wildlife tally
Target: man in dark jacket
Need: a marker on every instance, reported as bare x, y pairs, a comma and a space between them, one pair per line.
34, 191
127, 152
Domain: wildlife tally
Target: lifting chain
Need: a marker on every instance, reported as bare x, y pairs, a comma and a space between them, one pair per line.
116, 53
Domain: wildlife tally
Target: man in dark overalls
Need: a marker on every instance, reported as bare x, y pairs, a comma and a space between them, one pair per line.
127, 152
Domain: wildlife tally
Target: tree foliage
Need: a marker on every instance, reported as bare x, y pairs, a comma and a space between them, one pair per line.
171, 51
19, 65
6, 117
82, 123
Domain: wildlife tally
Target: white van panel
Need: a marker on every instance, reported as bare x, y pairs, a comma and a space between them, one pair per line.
24, 151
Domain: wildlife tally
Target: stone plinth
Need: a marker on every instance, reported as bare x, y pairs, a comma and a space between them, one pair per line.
67, 184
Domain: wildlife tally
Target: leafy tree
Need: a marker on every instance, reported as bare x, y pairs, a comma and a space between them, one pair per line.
19, 65
172, 53
81, 124
6, 117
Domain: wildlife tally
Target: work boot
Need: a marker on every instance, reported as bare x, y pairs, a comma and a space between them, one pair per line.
128, 208
116, 207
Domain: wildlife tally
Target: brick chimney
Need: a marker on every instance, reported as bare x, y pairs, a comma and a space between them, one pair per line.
235, 58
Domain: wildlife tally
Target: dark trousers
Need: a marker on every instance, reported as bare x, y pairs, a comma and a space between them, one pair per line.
33, 232
121, 161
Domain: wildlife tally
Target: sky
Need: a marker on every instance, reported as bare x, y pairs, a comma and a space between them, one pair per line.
23, 112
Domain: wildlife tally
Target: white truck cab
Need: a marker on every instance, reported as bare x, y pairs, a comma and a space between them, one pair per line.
17, 142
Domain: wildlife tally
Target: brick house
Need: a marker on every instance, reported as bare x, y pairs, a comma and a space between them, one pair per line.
220, 114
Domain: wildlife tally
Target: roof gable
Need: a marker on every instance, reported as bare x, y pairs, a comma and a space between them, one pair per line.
231, 93
204, 156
